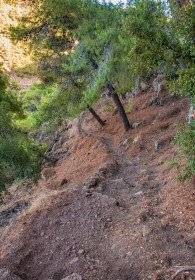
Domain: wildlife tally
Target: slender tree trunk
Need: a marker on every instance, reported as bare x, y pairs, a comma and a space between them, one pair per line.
100, 121
119, 106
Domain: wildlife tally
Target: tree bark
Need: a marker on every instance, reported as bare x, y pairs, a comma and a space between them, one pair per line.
100, 121
119, 106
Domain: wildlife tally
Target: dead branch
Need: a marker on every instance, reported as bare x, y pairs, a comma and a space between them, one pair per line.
186, 269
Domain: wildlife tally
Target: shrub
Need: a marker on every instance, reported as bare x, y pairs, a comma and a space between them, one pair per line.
185, 138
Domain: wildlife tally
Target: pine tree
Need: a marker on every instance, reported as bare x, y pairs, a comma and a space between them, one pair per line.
90, 64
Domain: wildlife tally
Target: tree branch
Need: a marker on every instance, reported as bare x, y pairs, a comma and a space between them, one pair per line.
187, 269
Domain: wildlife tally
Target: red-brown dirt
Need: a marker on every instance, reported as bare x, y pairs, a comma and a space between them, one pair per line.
133, 220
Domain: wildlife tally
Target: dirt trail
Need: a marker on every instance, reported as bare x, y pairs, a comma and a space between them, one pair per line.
123, 226
112, 232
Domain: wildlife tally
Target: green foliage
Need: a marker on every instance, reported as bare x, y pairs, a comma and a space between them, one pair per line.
17, 156
184, 84
185, 139
146, 23
49, 25
28, 70
129, 106
45, 103
18, 159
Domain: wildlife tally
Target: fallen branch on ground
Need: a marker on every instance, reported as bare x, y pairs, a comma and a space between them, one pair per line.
186, 269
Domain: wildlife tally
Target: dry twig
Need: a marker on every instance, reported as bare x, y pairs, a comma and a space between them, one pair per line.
185, 269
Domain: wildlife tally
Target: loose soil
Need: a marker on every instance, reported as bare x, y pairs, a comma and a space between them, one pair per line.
121, 216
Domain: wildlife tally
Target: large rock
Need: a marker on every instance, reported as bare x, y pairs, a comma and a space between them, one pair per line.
152, 100
92, 182
110, 167
6, 274
47, 173
143, 86
74, 276
12, 211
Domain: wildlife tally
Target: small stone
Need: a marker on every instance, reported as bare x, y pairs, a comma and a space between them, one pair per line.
100, 189
81, 252
73, 261
85, 189
138, 193
88, 194
157, 145
137, 124
151, 101
92, 182
14, 188
74, 276
5, 274
126, 141
136, 140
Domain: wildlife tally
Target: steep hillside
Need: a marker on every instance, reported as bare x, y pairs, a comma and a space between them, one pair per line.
110, 208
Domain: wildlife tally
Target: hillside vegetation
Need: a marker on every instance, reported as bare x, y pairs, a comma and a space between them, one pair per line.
97, 139
85, 48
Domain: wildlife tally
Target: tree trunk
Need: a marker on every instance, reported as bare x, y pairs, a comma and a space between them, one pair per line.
100, 121
119, 106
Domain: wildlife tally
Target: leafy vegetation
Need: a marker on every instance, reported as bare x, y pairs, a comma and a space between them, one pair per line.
17, 156
185, 138
39, 102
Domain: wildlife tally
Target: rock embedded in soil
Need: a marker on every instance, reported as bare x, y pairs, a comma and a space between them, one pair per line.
109, 168
137, 124
136, 139
74, 276
92, 182
81, 252
47, 173
157, 145
5, 274
151, 101
138, 193
12, 211
126, 141
100, 188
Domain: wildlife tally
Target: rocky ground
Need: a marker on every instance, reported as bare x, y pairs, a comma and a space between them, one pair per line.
110, 208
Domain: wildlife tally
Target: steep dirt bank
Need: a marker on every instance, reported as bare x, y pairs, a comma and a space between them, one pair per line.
120, 216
